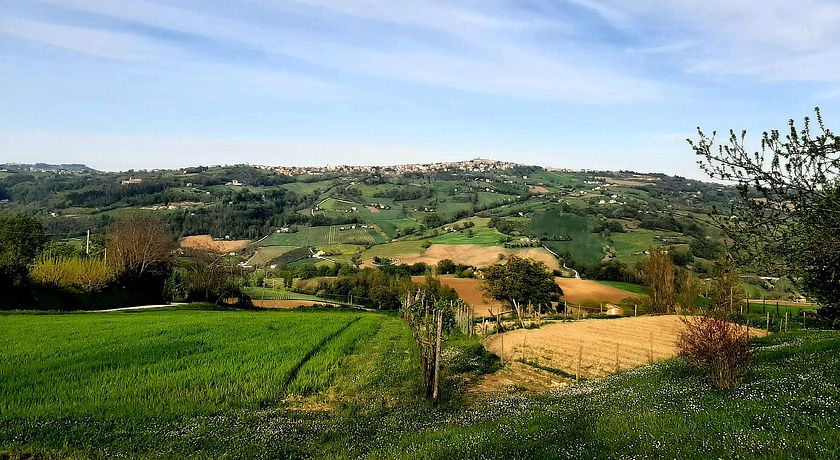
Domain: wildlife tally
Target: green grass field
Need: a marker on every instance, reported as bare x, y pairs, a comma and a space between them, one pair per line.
625, 286
630, 246
305, 188
268, 293
341, 384
176, 363
268, 253
394, 249
480, 235
317, 236
585, 246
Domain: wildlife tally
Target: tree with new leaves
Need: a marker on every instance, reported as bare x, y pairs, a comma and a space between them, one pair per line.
520, 283
727, 292
657, 271
787, 221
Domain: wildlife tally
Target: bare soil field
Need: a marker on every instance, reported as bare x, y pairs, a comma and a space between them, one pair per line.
207, 243
477, 255
603, 345
469, 290
587, 291
629, 183
783, 303
539, 189
288, 304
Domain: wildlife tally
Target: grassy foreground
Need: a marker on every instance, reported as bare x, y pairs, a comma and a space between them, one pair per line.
334, 384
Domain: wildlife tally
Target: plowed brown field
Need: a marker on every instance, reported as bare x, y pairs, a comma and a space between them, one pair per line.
469, 290
477, 255
587, 291
285, 304
207, 243
604, 345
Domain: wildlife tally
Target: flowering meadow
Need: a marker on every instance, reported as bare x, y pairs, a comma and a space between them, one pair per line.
342, 384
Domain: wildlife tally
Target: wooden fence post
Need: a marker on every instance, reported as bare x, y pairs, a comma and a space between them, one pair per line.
437, 358
502, 354
617, 365
768, 322
635, 310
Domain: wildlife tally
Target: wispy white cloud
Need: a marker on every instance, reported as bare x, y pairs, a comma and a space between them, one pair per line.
95, 42
765, 39
487, 51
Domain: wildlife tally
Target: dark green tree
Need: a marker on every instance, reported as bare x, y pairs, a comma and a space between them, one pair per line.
787, 221
22, 238
520, 283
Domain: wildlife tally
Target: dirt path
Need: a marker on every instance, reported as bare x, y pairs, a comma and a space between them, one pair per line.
140, 307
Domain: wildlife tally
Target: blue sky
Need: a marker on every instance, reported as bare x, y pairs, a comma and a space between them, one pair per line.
606, 84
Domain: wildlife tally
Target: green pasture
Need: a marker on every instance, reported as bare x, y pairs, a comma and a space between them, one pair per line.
394, 249
480, 235
266, 254
141, 365
584, 246
625, 286
631, 245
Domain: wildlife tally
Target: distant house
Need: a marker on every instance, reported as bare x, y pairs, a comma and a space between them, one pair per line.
132, 181
235, 183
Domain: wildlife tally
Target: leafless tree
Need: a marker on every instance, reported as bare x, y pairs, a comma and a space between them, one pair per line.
137, 244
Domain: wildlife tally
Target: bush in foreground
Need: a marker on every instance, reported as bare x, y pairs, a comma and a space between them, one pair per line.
718, 346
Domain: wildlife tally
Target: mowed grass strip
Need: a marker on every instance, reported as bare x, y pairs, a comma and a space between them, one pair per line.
626, 286
169, 363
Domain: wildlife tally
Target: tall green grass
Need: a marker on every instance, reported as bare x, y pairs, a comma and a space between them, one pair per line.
787, 407
172, 363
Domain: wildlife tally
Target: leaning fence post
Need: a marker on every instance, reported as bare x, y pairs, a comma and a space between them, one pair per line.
616, 357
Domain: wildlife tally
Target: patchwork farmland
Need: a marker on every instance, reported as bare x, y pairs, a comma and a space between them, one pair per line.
317, 236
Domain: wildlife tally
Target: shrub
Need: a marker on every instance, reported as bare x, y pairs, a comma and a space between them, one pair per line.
76, 274
718, 346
